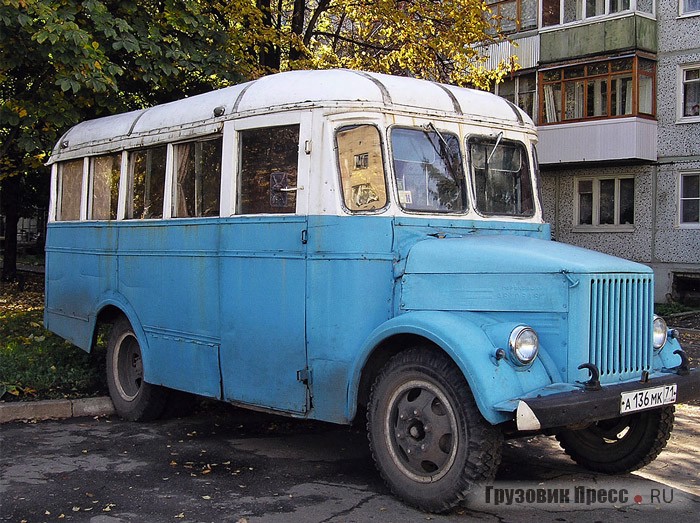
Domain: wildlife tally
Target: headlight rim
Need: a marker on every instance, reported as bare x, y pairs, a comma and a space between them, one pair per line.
663, 332
515, 350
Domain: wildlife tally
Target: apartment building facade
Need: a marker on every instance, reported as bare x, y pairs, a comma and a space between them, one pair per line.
614, 87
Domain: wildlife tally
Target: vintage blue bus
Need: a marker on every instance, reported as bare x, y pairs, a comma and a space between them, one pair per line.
340, 244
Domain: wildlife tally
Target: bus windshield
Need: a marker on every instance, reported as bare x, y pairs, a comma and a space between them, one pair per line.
501, 177
428, 169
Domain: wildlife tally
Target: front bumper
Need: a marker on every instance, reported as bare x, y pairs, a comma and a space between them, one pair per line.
583, 405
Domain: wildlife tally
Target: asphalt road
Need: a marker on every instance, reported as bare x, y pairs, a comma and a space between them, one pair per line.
229, 465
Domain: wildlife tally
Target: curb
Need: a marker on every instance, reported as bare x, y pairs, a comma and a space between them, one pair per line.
55, 409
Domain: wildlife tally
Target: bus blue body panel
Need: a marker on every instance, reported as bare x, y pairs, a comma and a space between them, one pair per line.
463, 338
263, 290
169, 273
81, 267
350, 288
283, 312
270, 311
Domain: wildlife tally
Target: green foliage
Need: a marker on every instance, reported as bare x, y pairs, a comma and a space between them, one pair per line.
64, 61
667, 309
422, 38
35, 363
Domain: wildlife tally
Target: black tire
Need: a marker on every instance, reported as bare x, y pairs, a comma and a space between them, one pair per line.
428, 439
620, 445
133, 398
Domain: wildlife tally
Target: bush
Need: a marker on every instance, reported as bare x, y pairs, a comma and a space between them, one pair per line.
35, 363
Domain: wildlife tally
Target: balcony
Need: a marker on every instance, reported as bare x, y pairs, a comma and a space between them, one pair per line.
631, 139
629, 32
526, 49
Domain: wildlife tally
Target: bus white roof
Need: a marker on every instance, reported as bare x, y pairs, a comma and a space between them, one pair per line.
283, 91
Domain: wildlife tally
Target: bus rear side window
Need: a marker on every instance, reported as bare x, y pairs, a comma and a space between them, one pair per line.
197, 179
104, 186
146, 183
70, 186
361, 168
268, 167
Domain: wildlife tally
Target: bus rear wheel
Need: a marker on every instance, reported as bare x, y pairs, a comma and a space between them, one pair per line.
620, 445
428, 439
133, 398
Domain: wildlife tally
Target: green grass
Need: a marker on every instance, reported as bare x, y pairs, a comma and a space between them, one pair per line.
35, 364
667, 309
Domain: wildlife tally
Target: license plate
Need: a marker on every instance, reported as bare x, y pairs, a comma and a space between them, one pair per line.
648, 398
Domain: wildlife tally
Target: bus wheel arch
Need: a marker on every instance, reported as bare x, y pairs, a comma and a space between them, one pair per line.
134, 399
427, 436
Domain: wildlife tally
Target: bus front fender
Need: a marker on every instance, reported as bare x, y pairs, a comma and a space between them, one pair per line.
466, 341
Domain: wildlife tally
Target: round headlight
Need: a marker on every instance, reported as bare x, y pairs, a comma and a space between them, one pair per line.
524, 344
660, 332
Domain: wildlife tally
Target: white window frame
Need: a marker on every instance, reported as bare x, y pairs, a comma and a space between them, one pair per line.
682, 12
596, 226
583, 15
680, 90
681, 223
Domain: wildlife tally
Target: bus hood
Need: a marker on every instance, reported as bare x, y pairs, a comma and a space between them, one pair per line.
511, 254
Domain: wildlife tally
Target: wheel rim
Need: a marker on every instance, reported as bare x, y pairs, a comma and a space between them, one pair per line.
609, 432
128, 367
421, 431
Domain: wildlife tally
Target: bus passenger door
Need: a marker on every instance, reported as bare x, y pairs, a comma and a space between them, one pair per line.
263, 263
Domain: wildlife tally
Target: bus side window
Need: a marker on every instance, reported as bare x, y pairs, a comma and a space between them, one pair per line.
269, 158
146, 183
104, 186
70, 186
361, 168
197, 181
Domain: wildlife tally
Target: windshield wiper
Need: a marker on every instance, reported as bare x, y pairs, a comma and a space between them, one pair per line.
444, 149
498, 141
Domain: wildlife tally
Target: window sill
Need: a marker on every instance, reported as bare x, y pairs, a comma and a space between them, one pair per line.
687, 119
688, 15
604, 228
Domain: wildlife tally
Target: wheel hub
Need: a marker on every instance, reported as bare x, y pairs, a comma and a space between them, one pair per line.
423, 430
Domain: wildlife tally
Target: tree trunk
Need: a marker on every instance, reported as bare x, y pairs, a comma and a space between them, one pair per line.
10, 199
297, 28
270, 55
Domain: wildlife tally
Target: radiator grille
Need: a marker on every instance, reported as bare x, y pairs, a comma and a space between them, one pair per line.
621, 325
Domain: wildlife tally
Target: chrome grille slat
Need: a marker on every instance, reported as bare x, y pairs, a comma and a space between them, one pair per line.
621, 311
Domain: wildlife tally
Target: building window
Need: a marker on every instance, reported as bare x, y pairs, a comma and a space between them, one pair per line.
689, 7
690, 199
605, 201
556, 12
514, 15
520, 90
603, 89
690, 89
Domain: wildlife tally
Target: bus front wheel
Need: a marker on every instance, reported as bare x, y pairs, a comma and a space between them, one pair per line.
428, 439
620, 445
133, 398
